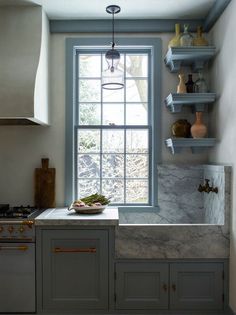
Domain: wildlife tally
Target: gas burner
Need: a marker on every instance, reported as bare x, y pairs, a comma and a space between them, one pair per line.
16, 212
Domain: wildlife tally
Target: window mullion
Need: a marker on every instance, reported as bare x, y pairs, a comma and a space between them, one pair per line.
101, 131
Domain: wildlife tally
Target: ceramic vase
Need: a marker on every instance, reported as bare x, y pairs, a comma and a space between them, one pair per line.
181, 88
174, 42
199, 40
198, 129
186, 39
181, 128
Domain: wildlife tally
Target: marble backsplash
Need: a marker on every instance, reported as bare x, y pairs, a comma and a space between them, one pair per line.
179, 200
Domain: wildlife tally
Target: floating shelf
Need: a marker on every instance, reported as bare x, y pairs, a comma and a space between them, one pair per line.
196, 57
175, 101
196, 145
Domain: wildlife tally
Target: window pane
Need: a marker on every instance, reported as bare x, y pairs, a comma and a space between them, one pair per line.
136, 91
136, 65
89, 141
137, 141
89, 65
88, 187
113, 95
113, 189
137, 191
90, 90
113, 141
89, 114
89, 165
113, 114
136, 114
137, 165
113, 165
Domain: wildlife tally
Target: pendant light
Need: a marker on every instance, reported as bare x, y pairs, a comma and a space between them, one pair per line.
112, 77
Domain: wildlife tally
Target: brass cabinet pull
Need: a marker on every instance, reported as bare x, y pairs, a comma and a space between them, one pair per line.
75, 250
174, 287
164, 287
23, 248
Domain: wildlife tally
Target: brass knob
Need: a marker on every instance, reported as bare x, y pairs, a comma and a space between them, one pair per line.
10, 229
21, 229
164, 287
1, 229
174, 287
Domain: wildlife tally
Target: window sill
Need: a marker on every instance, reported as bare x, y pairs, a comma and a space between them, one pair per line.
139, 208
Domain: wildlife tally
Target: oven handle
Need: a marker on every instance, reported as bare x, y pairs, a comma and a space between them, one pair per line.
22, 248
75, 250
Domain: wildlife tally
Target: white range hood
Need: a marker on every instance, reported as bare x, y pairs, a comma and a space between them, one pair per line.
24, 37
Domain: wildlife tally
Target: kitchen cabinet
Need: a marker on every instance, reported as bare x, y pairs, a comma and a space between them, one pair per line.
166, 285
141, 286
75, 270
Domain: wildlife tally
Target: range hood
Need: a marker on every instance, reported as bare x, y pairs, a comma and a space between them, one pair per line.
24, 36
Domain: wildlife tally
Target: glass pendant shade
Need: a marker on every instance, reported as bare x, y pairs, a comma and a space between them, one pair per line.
112, 77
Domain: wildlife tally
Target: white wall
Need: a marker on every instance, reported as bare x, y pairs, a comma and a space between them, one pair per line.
21, 148
223, 117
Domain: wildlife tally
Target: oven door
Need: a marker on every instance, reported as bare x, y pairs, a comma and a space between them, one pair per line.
17, 277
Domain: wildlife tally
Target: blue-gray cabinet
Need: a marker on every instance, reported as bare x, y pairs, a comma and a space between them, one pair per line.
75, 270
141, 286
196, 286
169, 285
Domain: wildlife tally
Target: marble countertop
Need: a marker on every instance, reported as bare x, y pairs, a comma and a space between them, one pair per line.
61, 216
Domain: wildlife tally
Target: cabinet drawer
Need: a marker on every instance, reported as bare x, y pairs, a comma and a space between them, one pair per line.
141, 286
196, 286
75, 269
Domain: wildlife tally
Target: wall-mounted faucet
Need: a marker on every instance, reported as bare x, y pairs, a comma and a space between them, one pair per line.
207, 188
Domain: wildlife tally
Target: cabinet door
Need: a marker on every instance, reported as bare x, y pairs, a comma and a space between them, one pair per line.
196, 286
75, 269
141, 286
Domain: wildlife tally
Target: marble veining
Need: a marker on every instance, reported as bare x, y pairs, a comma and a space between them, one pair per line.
182, 241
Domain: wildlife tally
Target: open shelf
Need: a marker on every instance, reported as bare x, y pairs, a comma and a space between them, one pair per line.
196, 57
196, 145
175, 101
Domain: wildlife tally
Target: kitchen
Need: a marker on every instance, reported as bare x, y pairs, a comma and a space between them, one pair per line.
22, 147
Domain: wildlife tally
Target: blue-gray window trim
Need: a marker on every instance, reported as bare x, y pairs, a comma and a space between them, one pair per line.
152, 43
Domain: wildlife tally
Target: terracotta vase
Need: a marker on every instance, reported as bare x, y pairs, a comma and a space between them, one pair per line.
181, 88
199, 40
198, 129
174, 42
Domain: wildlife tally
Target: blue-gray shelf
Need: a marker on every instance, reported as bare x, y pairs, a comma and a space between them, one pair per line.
196, 145
175, 101
196, 57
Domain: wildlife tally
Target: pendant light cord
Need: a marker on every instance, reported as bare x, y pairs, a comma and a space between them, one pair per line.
113, 30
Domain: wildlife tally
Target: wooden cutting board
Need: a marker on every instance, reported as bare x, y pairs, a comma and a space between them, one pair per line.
44, 183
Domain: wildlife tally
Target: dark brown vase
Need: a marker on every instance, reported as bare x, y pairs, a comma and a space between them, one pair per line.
181, 128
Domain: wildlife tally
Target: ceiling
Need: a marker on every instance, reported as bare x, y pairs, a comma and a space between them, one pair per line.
130, 9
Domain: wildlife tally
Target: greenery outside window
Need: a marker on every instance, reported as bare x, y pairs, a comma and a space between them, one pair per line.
114, 140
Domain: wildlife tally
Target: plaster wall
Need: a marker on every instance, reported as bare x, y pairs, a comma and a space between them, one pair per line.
223, 115
22, 147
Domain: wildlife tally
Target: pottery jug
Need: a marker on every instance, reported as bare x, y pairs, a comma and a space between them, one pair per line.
181, 88
174, 42
198, 129
199, 40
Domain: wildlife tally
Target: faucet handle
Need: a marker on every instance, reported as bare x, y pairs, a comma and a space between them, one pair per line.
207, 181
200, 188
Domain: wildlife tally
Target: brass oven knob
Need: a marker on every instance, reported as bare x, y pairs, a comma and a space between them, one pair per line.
1, 229
10, 229
21, 229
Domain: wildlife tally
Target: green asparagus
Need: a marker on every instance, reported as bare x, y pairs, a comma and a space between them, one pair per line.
95, 198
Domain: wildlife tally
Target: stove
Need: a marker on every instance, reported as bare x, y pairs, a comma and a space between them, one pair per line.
17, 223
17, 259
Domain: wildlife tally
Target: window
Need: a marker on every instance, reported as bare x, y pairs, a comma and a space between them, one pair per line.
114, 141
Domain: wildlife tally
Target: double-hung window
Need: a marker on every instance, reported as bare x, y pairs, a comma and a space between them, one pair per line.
114, 136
